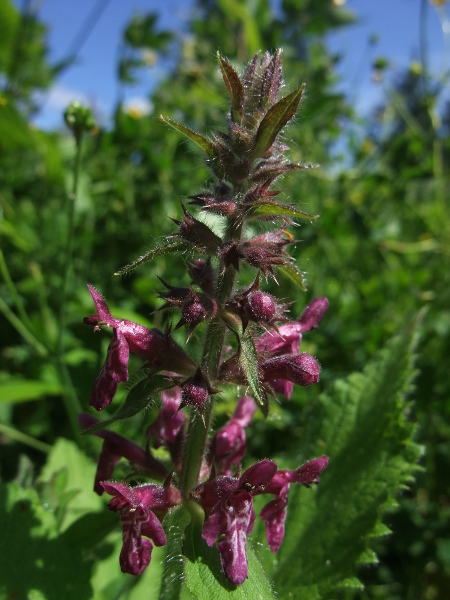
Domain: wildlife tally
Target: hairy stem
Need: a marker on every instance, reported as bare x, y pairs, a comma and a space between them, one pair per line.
197, 434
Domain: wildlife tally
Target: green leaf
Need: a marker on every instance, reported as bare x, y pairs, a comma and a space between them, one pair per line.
271, 209
205, 143
66, 482
203, 575
139, 398
248, 359
17, 389
174, 524
293, 273
234, 86
173, 245
361, 425
274, 120
35, 563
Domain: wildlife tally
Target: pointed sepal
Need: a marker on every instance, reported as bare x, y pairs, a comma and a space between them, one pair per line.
234, 86
274, 120
205, 143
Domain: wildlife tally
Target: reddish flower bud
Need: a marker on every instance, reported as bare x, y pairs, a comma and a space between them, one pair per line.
202, 274
195, 390
195, 310
253, 305
266, 250
260, 306
174, 296
217, 205
196, 232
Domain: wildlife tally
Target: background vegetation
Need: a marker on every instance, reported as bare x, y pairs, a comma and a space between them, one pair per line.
380, 253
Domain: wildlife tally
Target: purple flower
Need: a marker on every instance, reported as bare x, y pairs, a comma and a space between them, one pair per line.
287, 341
289, 336
233, 516
128, 337
229, 444
274, 513
283, 371
114, 448
169, 425
228, 505
136, 506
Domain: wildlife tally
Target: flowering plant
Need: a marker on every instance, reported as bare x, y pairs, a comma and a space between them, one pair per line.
246, 162
249, 340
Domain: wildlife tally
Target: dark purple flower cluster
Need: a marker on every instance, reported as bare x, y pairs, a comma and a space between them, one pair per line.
248, 340
227, 500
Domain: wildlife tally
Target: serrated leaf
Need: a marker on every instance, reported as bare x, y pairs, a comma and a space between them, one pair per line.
351, 583
68, 472
173, 245
380, 530
361, 425
293, 273
139, 398
234, 86
174, 524
203, 575
205, 143
35, 562
272, 209
275, 119
368, 557
248, 359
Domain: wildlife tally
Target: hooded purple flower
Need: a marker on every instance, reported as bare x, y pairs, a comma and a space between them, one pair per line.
150, 344
229, 444
137, 506
288, 338
169, 425
274, 513
114, 448
233, 516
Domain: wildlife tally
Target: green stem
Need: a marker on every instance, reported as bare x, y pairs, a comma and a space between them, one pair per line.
13, 291
23, 438
71, 401
27, 335
197, 433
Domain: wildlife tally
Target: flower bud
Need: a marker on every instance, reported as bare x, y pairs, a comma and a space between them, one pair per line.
219, 206
78, 118
202, 274
197, 233
195, 310
302, 369
266, 250
260, 306
195, 390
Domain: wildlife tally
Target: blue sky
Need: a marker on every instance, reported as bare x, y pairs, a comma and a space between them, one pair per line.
93, 78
